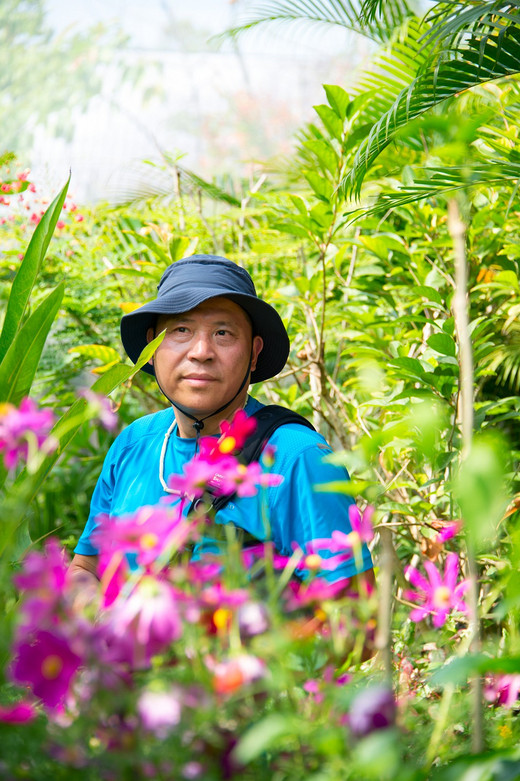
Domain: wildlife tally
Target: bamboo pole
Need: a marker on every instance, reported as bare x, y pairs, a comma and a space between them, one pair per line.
465, 416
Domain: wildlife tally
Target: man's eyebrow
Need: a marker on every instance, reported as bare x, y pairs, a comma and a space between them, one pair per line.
188, 319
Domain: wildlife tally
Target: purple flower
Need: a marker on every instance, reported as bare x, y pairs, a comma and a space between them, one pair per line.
100, 407
159, 712
20, 426
438, 595
47, 664
302, 594
253, 619
372, 709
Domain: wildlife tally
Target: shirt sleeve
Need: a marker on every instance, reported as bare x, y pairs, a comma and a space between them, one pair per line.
301, 513
101, 503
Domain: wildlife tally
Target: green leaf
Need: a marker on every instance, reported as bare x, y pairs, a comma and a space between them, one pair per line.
28, 271
97, 352
442, 343
480, 490
261, 736
338, 99
21, 360
152, 245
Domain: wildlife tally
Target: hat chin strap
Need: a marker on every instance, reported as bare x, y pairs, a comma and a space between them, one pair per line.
198, 423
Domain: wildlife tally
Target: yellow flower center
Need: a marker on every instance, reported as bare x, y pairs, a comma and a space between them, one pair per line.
5, 408
52, 666
313, 561
221, 617
149, 540
441, 597
227, 445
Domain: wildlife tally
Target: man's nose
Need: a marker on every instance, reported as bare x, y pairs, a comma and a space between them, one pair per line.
201, 348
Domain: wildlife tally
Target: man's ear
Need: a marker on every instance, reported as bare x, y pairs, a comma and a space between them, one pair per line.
150, 334
257, 347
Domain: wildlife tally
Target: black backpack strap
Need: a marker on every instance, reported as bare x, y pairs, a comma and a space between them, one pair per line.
268, 419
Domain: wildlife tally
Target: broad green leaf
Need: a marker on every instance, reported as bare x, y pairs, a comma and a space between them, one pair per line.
338, 99
442, 343
330, 121
182, 247
21, 360
480, 490
97, 352
28, 271
428, 292
321, 185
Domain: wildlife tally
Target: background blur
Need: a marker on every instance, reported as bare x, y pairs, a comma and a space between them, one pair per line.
99, 85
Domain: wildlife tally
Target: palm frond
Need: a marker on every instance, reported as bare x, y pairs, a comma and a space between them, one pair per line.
433, 182
377, 26
478, 63
451, 22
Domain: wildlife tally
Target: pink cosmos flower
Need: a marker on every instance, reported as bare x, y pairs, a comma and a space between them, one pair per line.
17, 426
243, 479
19, 713
149, 615
218, 595
148, 532
100, 408
253, 619
113, 571
47, 664
313, 557
450, 530
503, 690
438, 595
159, 712
43, 572
362, 530
318, 590
197, 474
236, 432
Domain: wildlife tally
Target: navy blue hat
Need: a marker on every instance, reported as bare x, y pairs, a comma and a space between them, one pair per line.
190, 281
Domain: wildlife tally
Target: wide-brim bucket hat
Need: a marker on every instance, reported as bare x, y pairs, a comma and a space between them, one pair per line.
190, 281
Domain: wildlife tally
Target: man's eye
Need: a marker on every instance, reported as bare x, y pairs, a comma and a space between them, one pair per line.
222, 332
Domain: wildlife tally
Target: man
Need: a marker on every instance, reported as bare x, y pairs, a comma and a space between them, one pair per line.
219, 338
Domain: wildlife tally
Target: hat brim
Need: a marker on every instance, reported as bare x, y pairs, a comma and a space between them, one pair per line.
266, 321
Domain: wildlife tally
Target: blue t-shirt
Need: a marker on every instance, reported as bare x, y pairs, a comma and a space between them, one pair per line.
295, 512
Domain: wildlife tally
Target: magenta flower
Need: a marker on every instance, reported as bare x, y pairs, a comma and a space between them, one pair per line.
18, 713
448, 531
47, 664
159, 712
100, 408
362, 530
20, 426
318, 590
236, 432
438, 595
502, 690
113, 571
149, 532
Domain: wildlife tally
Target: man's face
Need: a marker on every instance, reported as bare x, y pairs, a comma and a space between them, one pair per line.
204, 355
